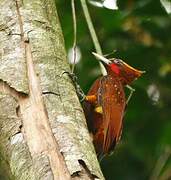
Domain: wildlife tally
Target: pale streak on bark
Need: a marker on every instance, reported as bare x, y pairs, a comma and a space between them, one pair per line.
40, 139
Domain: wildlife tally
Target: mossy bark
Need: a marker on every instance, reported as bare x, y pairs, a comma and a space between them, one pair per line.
42, 136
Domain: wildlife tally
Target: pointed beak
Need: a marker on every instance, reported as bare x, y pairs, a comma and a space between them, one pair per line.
101, 58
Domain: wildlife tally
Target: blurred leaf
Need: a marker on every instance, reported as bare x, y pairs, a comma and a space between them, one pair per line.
167, 5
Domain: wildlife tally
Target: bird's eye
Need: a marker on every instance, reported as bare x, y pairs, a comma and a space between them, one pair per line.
117, 61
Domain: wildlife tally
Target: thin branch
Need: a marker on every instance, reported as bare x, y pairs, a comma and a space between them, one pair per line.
166, 175
91, 27
92, 33
160, 164
130, 94
75, 33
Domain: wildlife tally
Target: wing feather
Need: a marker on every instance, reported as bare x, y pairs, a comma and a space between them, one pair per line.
112, 100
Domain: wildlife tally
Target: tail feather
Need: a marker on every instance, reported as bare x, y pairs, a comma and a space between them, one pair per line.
109, 141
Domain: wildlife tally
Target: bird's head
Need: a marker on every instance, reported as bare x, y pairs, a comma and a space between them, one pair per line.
119, 68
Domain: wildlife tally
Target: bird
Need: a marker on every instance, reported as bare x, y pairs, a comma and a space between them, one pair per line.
105, 103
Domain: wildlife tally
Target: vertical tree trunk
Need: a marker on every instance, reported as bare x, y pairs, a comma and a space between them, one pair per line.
42, 135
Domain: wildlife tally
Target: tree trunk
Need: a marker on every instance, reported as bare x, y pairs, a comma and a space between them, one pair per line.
42, 135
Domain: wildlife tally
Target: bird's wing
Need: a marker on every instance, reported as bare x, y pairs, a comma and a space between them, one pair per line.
112, 99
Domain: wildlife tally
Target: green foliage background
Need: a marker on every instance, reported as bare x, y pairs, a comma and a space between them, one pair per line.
140, 31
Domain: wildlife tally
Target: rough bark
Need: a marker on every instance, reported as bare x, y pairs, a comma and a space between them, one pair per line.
42, 135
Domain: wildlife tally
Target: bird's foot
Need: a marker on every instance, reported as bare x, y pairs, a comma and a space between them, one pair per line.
78, 89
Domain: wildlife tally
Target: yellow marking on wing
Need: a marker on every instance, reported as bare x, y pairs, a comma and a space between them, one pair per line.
99, 109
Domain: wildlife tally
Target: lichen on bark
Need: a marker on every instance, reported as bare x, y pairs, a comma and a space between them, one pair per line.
40, 24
